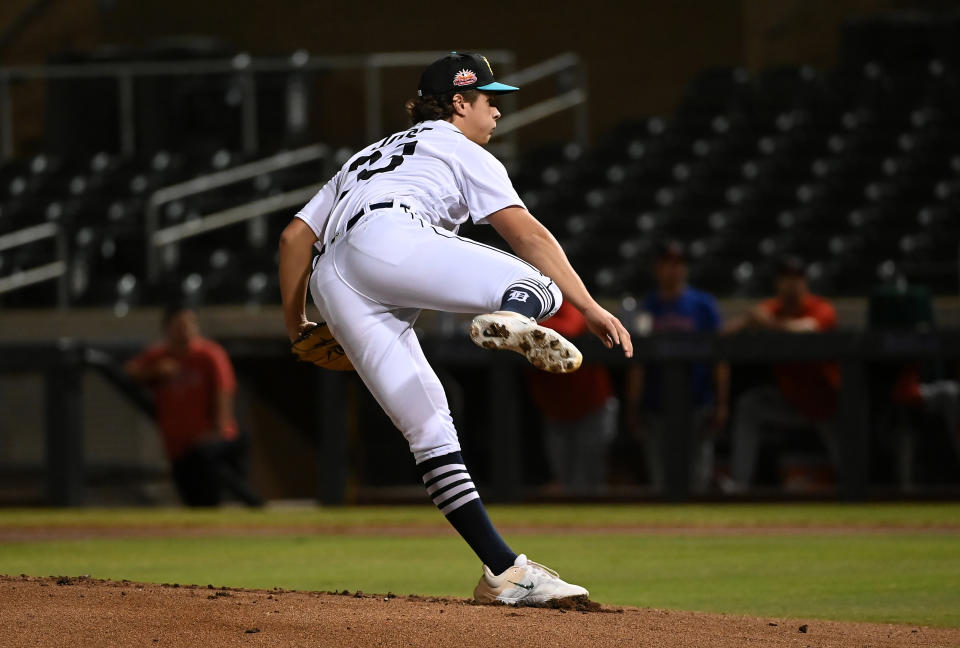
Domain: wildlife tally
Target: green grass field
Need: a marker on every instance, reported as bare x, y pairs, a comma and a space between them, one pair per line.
887, 563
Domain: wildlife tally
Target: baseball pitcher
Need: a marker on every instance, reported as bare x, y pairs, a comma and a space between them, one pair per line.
385, 227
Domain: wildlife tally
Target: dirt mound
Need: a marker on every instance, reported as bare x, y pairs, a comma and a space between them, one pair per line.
574, 604
79, 611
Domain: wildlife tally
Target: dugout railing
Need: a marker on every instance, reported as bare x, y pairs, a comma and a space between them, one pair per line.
64, 362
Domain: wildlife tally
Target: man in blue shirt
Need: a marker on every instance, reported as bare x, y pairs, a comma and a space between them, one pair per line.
675, 306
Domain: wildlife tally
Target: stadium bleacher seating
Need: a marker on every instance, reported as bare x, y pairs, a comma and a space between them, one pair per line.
856, 169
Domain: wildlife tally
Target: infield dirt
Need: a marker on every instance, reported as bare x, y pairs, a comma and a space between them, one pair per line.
81, 612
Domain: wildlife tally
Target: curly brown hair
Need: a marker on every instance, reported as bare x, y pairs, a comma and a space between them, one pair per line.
436, 107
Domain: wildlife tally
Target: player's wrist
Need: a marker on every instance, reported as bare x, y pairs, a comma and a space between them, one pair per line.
591, 306
295, 325
301, 328
293, 333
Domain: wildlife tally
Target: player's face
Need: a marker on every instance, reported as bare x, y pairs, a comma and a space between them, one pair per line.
182, 328
791, 287
671, 274
480, 118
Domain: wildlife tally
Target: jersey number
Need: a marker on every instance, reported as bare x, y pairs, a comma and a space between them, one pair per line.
395, 160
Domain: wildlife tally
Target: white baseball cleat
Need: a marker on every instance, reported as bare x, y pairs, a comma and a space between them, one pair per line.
543, 347
526, 582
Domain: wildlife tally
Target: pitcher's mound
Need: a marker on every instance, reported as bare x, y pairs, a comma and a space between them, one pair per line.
80, 612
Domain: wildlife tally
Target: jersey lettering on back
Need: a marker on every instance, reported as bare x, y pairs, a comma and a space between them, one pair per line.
445, 178
367, 164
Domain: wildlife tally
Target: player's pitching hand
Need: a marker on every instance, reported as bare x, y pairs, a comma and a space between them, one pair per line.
609, 329
317, 346
303, 327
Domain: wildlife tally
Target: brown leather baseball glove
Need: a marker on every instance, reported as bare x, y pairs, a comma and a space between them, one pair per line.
318, 346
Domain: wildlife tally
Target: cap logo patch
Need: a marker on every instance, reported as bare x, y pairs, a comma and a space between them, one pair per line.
464, 78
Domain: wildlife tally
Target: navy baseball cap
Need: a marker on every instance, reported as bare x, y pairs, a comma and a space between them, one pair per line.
671, 250
790, 265
459, 71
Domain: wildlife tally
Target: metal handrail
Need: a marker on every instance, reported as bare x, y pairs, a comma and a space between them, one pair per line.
247, 171
56, 269
28, 235
238, 63
155, 239
244, 65
541, 110
425, 57
38, 274
299, 61
575, 98
543, 69
211, 181
242, 62
233, 215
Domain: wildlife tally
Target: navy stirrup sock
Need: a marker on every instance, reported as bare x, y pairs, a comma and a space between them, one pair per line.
528, 297
449, 485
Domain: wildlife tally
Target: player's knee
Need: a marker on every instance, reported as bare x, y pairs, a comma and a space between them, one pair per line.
422, 454
432, 438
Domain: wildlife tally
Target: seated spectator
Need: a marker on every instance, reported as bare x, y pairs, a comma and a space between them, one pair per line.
579, 415
913, 398
193, 384
675, 306
804, 394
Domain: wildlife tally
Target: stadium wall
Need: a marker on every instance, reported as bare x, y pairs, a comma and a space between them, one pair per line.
640, 55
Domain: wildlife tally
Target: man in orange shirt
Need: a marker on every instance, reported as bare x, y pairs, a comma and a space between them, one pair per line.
805, 394
193, 384
579, 412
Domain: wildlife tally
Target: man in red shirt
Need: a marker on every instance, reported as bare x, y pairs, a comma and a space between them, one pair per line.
579, 412
805, 394
193, 385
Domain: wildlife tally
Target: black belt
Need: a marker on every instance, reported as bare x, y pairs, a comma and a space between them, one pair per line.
353, 221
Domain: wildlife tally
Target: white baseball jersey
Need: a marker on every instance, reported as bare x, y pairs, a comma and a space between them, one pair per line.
371, 283
433, 168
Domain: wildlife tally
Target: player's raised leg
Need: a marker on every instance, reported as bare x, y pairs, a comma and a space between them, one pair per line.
394, 257
543, 347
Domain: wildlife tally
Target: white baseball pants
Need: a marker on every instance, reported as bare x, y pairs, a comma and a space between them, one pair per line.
370, 286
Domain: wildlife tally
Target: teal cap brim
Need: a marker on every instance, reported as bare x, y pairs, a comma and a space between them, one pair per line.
496, 86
